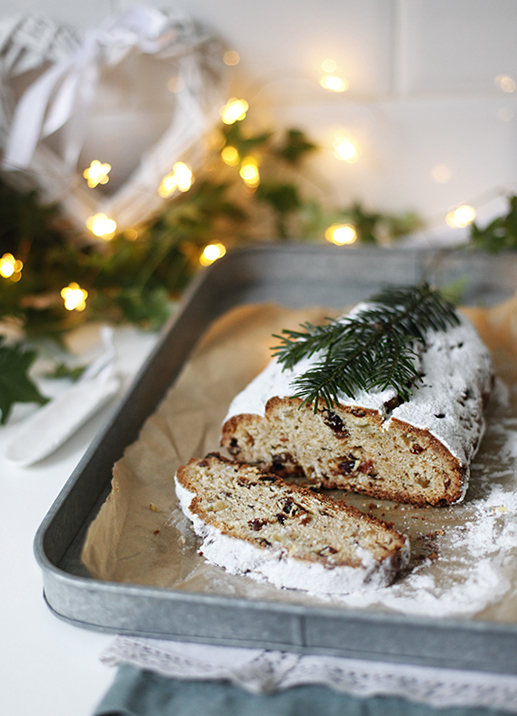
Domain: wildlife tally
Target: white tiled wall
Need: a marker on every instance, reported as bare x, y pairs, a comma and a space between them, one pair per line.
458, 47
422, 88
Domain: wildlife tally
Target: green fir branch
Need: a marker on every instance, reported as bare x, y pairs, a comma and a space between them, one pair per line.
373, 350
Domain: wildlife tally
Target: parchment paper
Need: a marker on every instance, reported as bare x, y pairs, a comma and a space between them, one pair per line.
464, 558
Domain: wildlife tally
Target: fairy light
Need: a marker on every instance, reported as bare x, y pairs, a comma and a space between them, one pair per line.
211, 253
345, 150
100, 225
461, 217
231, 58
505, 83
341, 234
97, 173
131, 234
230, 156
74, 297
441, 173
234, 110
328, 65
7, 265
176, 84
180, 178
334, 83
249, 172
11, 267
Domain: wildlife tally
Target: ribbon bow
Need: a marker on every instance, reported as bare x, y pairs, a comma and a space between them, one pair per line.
64, 93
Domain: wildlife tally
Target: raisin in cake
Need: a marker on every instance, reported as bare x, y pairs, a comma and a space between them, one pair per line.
253, 522
418, 451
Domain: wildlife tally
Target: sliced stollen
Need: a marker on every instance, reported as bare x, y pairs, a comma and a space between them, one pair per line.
255, 523
418, 451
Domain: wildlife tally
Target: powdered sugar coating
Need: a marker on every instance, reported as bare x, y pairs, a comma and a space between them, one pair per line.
275, 566
456, 374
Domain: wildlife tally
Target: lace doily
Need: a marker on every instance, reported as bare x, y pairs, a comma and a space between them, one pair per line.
258, 670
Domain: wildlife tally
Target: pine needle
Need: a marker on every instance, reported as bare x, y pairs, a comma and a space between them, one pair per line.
374, 350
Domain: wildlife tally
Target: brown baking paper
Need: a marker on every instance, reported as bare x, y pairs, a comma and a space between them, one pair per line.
140, 536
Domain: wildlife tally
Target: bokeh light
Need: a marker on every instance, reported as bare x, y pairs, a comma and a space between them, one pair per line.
461, 216
211, 253
334, 83
97, 173
341, 234
180, 178
234, 110
102, 226
74, 297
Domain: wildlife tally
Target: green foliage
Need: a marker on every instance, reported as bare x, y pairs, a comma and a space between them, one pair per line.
138, 280
16, 385
294, 147
371, 227
284, 199
148, 308
377, 228
63, 370
244, 143
500, 234
373, 350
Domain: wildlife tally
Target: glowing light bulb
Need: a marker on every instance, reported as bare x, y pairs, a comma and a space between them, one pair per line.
460, 217
176, 84
231, 58
131, 234
101, 226
180, 178
10, 267
97, 173
249, 172
234, 110
74, 297
341, 234
441, 173
7, 265
505, 83
328, 65
230, 156
345, 150
211, 253
334, 83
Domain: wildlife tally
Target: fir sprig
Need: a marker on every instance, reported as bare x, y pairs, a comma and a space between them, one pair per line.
372, 350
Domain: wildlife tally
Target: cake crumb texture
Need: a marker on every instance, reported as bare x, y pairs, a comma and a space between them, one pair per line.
417, 451
255, 523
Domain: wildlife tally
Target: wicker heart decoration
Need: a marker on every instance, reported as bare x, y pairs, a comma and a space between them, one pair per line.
138, 93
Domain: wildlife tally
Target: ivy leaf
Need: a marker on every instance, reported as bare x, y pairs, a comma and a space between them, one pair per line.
62, 370
149, 308
500, 234
283, 199
15, 384
295, 146
235, 138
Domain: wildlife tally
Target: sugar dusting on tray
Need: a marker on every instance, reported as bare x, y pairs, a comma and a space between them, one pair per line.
476, 552
465, 556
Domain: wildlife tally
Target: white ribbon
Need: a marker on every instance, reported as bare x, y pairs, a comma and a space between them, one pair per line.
65, 92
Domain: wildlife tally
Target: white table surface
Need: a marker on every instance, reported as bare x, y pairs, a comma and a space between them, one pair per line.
47, 666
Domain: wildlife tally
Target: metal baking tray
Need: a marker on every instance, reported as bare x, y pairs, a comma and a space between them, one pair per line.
293, 275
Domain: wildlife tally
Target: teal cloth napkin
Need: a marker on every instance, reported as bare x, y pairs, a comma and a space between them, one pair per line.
144, 693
